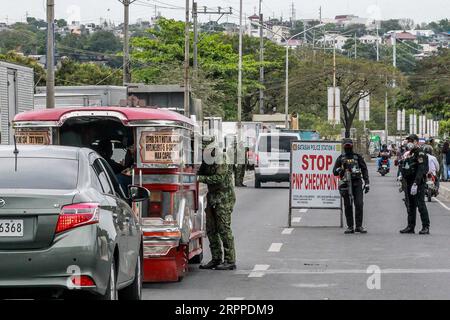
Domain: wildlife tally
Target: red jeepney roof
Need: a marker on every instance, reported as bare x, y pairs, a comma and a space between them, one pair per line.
131, 114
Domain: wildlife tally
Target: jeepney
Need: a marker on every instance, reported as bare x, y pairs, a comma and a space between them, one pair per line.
159, 151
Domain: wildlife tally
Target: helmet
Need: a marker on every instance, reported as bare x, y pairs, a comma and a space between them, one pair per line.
208, 141
412, 137
428, 149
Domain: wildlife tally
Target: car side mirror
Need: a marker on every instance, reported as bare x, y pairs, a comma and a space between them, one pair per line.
138, 194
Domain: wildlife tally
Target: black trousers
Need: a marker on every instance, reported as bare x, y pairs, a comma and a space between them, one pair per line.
358, 202
417, 202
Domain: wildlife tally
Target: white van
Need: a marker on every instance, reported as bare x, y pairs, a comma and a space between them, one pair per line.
272, 157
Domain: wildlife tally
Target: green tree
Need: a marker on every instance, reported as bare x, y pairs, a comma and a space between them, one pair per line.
429, 86
74, 73
158, 58
103, 41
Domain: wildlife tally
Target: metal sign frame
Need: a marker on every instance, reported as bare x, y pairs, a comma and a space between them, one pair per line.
290, 187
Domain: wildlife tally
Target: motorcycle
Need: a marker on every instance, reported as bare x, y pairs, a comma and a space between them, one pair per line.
431, 189
384, 167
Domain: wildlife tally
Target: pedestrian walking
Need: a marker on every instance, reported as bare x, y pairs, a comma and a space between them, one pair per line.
445, 160
352, 169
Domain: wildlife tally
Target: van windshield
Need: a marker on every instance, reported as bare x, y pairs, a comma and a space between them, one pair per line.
276, 143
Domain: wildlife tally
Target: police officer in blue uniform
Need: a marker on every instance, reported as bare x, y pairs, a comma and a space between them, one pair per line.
414, 169
352, 169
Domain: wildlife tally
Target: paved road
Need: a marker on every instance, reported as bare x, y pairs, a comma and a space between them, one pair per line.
311, 262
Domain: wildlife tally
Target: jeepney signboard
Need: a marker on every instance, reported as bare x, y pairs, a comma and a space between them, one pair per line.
33, 137
160, 147
312, 183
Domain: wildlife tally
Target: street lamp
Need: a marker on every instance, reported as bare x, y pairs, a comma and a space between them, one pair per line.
287, 40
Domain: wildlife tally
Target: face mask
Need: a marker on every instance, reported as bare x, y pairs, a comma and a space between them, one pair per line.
410, 146
348, 149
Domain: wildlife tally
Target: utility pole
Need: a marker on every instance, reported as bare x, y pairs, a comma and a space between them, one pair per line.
195, 13
195, 18
186, 62
378, 44
394, 49
126, 40
50, 54
305, 40
386, 114
334, 85
239, 111
261, 58
356, 47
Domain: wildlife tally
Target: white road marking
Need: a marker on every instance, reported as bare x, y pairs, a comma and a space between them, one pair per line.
235, 298
275, 247
259, 271
313, 285
287, 231
296, 220
303, 210
442, 204
349, 271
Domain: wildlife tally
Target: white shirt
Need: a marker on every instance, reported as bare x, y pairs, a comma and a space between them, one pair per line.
433, 164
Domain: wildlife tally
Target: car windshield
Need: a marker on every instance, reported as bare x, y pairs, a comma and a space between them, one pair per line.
276, 143
38, 173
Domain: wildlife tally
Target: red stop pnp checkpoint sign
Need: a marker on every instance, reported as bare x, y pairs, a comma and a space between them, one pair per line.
313, 184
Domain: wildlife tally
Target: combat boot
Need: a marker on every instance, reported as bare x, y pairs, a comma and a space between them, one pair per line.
425, 230
210, 265
407, 230
226, 266
360, 230
349, 230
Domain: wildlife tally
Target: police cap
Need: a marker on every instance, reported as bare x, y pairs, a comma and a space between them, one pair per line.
347, 142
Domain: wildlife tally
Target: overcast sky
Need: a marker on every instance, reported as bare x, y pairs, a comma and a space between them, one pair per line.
93, 10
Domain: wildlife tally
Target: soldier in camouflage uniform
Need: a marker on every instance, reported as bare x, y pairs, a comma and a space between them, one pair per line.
240, 165
221, 199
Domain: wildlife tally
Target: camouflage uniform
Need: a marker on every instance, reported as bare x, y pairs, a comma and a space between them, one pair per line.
239, 166
221, 199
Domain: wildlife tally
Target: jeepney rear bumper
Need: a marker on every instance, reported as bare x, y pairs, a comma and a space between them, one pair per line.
166, 268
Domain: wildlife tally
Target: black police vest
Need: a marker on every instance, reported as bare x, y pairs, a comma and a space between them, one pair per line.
352, 164
409, 166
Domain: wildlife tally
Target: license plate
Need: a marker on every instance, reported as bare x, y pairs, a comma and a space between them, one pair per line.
385, 166
11, 228
279, 164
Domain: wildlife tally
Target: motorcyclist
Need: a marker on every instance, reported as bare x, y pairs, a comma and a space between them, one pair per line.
384, 154
433, 164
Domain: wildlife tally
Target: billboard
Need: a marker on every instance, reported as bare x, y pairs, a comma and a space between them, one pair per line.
334, 105
312, 183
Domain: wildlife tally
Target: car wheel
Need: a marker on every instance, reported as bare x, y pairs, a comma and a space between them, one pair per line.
111, 291
257, 183
134, 290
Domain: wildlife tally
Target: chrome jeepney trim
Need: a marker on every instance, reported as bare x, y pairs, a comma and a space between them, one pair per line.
35, 124
90, 113
161, 123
